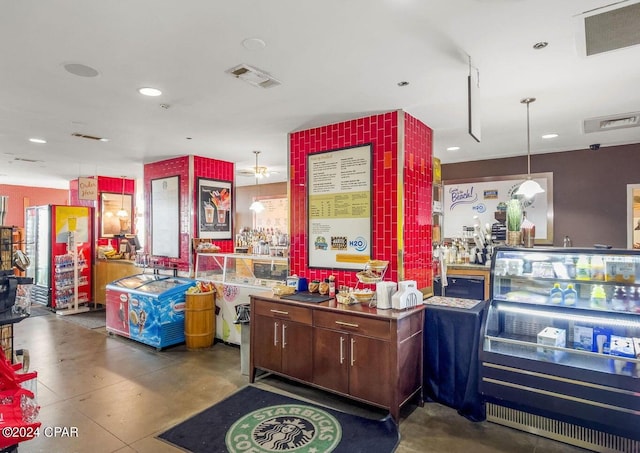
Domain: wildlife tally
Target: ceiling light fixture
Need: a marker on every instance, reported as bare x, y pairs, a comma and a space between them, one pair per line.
529, 188
37, 140
122, 213
148, 91
256, 206
546, 136
453, 148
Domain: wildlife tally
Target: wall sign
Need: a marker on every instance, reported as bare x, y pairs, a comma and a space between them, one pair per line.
214, 209
339, 208
165, 217
468, 198
87, 189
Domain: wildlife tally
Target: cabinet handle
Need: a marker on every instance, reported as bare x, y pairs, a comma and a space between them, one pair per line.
280, 312
341, 350
275, 334
353, 359
347, 324
284, 338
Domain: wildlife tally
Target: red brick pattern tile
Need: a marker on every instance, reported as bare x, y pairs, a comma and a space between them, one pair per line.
202, 168
382, 132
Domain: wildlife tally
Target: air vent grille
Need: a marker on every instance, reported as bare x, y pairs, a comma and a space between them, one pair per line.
609, 123
613, 29
253, 76
89, 137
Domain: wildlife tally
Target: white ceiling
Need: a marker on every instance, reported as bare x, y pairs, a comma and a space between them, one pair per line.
336, 59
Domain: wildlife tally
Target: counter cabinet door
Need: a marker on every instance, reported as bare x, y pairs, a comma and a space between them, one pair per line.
331, 359
296, 350
370, 370
267, 342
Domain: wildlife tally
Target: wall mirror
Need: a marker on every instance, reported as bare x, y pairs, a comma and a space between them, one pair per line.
115, 214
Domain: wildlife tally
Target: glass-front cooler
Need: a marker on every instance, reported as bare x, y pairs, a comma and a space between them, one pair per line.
236, 276
560, 351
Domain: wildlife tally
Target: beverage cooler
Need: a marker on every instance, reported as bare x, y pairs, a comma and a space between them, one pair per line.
560, 348
148, 308
59, 240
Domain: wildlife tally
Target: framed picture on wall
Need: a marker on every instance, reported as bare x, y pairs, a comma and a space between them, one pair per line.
165, 217
115, 214
215, 202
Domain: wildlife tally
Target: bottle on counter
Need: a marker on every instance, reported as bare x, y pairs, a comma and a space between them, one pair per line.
619, 301
596, 268
598, 298
556, 295
583, 271
570, 296
570, 265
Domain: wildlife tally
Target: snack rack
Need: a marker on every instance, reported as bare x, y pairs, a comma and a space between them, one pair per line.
372, 273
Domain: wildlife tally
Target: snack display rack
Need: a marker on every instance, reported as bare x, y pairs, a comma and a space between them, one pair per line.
372, 273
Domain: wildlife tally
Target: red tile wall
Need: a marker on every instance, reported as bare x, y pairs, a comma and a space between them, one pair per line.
418, 196
178, 166
202, 168
382, 131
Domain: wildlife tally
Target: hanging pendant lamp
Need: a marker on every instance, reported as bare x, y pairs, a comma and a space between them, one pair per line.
256, 206
122, 213
529, 188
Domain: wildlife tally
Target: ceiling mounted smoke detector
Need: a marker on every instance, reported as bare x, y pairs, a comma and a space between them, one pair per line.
253, 76
608, 123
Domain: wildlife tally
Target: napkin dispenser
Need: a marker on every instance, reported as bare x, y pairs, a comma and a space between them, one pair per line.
407, 295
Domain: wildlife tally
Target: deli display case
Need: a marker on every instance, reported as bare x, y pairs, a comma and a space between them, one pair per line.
560, 345
148, 308
236, 276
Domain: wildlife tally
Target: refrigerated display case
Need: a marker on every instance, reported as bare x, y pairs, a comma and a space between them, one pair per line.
560, 353
59, 242
148, 308
236, 277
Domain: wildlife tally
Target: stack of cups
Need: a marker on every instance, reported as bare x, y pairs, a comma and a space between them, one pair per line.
384, 292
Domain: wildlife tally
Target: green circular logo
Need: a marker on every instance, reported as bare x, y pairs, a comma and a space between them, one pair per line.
286, 427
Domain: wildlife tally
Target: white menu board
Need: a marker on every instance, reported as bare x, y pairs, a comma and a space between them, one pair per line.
339, 203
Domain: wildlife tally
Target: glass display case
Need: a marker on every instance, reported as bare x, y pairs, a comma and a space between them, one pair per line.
561, 344
236, 277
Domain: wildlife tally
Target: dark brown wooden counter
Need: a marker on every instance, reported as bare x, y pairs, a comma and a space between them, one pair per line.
357, 351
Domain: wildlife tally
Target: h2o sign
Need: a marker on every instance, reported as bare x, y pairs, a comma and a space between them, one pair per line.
359, 243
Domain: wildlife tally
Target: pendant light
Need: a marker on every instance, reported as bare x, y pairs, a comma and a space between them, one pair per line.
529, 188
122, 213
256, 206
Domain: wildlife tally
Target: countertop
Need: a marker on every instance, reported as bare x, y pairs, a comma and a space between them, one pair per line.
362, 309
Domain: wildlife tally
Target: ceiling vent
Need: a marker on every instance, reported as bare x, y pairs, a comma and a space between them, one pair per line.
608, 123
24, 159
611, 28
253, 76
89, 137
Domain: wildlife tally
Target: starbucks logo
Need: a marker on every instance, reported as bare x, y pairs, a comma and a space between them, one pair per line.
287, 427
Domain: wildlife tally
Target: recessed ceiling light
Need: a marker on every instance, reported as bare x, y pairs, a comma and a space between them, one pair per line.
540, 45
549, 135
254, 44
148, 91
103, 139
453, 148
37, 140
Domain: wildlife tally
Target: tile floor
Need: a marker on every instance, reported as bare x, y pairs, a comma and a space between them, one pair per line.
120, 394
